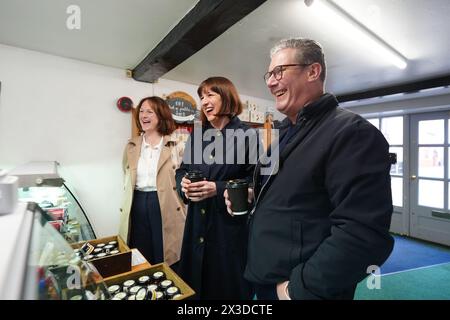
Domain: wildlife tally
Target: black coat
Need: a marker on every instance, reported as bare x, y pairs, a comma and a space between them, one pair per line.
331, 224
214, 249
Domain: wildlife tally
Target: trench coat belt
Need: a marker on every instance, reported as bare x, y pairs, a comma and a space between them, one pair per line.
145, 189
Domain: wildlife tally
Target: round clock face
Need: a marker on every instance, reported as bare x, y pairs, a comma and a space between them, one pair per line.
183, 107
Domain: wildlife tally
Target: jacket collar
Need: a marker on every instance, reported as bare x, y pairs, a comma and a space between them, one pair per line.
234, 122
137, 140
135, 150
325, 102
166, 150
167, 140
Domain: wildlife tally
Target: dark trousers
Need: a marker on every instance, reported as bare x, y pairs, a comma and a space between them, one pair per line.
146, 226
266, 292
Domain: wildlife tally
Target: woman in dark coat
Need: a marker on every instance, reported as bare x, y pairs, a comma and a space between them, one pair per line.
214, 249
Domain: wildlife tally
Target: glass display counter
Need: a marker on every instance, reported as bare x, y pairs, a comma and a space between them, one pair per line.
39, 264
41, 183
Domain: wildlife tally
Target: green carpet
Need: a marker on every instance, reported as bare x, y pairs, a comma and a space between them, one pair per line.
428, 283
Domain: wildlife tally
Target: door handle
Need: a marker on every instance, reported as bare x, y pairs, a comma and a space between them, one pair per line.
413, 177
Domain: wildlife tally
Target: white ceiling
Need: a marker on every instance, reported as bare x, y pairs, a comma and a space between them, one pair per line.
117, 33
120, 34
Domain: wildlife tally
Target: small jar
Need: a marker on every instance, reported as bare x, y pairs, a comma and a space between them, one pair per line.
141, 294
144, 280
100, 255
177, 296
120, 296
114, 252
108, 248
100, 245
97, 251
134, 289
114, 289
165, 284
132, 297
113, 243
152, 287
158, 276
128, 284
171, 292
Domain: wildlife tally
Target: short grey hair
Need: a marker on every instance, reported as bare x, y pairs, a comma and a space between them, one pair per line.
308, 51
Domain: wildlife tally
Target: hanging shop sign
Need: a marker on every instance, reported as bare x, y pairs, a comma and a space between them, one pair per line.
183, 106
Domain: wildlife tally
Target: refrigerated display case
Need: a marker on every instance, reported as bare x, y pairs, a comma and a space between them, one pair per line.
38, 263
40, 182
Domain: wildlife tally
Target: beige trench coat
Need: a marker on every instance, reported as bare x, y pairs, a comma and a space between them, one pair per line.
173, 211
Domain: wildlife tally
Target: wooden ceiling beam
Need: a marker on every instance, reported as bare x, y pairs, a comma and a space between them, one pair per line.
204, 23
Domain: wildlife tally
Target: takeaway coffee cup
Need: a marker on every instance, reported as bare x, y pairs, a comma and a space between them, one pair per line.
194, 175
238, 194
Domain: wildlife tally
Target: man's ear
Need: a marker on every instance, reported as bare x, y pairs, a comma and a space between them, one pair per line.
315, 70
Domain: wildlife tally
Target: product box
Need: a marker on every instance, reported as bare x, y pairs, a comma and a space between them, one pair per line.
57, 224
110, 265
245, 115
252, 107
257, 117
185, 290
57, 213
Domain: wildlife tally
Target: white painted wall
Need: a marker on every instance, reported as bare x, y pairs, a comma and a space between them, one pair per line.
53, 108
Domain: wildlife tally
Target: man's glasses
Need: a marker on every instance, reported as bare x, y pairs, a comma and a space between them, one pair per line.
277, 72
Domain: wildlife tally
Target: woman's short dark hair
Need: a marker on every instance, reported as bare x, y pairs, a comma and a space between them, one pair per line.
166, 124
231, 103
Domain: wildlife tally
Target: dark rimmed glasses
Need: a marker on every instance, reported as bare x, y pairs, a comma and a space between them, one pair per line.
277, 72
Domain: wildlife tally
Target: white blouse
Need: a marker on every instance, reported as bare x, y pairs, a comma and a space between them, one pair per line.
148, 166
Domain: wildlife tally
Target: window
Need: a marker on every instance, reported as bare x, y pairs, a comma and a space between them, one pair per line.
392, 129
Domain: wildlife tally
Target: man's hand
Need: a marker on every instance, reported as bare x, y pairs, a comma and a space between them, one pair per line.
228, 202
282, 291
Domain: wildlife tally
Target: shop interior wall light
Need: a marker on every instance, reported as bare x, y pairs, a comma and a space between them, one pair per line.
328, 10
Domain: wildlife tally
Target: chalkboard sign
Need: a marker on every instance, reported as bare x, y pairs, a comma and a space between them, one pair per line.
183, 107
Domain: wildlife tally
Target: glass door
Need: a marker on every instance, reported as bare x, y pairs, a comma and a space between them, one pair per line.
394, 130
429, 177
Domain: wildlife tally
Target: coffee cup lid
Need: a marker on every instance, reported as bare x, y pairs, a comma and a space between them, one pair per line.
237, 183
194, 173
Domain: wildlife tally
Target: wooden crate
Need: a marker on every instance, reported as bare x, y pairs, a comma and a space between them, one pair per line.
185, 289
110, 265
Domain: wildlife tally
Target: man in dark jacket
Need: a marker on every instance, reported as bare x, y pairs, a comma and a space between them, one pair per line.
322, 220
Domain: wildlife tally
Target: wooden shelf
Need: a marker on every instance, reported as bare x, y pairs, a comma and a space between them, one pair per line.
253, 124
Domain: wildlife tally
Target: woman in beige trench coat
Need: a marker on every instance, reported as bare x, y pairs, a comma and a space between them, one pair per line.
152, 214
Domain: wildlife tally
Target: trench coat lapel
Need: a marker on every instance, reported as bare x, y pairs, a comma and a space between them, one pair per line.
134, 151
165, 152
